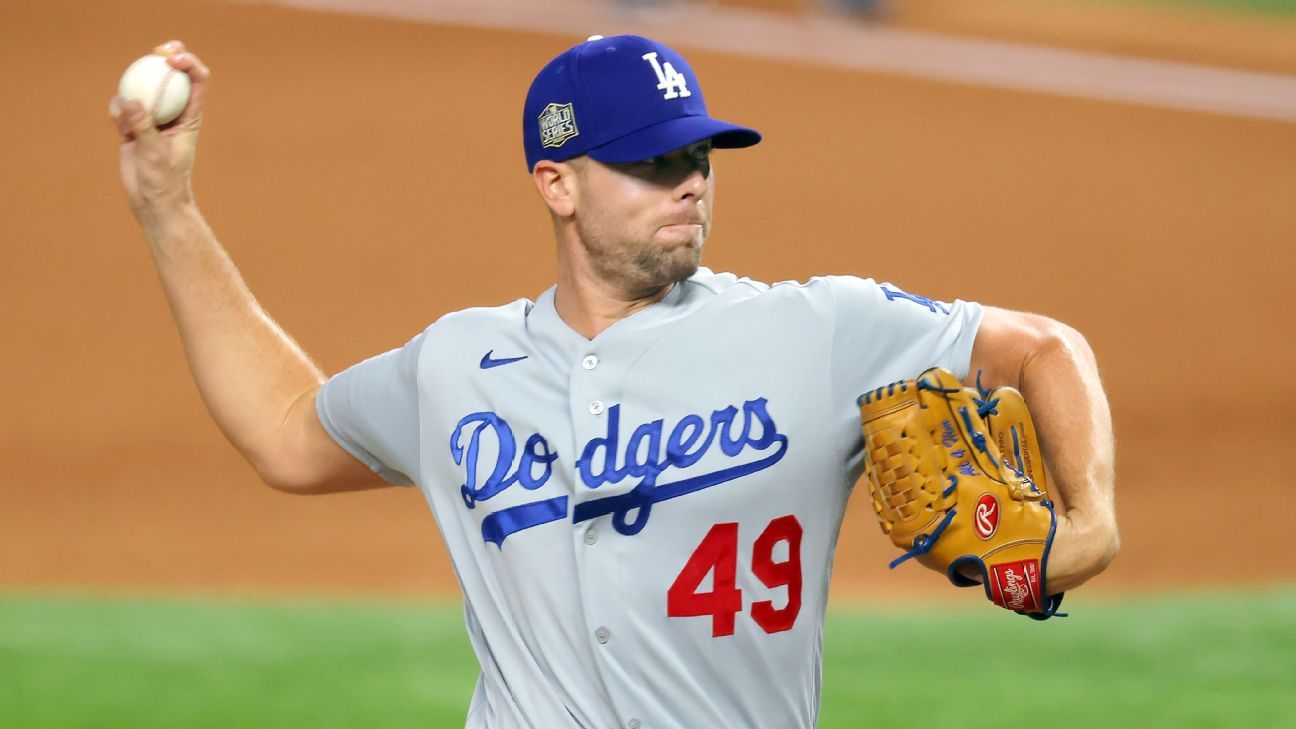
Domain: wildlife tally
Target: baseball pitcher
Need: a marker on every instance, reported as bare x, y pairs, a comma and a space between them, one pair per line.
640, 474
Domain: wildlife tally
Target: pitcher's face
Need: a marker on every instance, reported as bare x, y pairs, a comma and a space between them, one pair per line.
646, 222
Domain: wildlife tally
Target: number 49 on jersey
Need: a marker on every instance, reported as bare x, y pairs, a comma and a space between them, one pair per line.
717, 555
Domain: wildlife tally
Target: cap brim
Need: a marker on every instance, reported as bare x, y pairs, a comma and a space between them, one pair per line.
674, 134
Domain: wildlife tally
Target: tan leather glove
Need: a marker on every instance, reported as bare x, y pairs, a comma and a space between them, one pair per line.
958, 482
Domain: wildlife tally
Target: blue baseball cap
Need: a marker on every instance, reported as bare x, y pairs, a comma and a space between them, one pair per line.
620, 99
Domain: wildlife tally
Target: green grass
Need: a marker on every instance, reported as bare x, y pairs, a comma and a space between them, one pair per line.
70, 663
1206, 661
1276, 7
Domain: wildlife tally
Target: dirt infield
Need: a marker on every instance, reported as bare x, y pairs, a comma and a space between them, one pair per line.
367, 176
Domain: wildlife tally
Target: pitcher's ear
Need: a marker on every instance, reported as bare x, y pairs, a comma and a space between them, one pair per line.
556, 182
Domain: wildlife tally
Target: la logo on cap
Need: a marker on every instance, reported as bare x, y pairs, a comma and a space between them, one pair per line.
557, 125
636, 99
668, 79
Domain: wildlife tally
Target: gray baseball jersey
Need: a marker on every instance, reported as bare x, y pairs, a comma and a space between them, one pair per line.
643, 524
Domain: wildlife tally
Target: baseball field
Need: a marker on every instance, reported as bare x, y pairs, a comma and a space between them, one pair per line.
1126, 167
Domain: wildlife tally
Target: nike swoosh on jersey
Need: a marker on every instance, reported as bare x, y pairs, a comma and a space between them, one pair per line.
487, 362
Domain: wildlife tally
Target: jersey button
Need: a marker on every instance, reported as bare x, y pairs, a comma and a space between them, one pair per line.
591, 535
602, 635
632, 724
590, 362
596, 407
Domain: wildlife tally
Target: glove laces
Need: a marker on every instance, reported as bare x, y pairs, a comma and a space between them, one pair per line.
923, 543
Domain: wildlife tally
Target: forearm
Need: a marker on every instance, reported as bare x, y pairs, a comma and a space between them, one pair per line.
250, 373
1061, 384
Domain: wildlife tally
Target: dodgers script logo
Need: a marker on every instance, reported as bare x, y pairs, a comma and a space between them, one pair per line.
650, 451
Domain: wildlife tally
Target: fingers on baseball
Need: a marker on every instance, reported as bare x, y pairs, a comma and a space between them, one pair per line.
118, 113
183, 60
169, 48
134, 122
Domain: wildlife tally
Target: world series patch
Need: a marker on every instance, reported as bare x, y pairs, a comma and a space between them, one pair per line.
557, 125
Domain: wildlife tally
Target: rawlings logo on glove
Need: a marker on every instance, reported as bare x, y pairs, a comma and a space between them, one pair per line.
987, 516
958, 482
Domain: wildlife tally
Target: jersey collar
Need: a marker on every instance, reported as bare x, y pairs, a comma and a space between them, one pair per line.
565, 347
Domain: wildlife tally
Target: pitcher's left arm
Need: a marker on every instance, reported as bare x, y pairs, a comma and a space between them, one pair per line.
1055, 369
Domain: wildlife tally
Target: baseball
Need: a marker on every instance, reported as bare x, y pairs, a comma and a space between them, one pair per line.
162, 90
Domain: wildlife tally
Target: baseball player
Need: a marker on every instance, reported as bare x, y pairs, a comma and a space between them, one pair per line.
640, 475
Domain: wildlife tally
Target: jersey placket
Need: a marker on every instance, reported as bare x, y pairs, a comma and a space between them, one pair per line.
596, 370
594, 389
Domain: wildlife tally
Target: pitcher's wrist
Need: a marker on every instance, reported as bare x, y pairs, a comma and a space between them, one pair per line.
159, 211
175, 218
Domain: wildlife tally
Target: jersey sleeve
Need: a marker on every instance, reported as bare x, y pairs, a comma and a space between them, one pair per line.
882, 334
372, 410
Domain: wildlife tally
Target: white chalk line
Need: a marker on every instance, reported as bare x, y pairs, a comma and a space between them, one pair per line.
841, 43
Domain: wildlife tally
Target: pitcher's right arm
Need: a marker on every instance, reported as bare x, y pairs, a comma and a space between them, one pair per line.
256, 382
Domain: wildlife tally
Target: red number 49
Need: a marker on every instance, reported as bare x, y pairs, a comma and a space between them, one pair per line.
718, 555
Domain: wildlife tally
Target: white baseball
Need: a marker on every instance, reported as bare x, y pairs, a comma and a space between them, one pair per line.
162, 90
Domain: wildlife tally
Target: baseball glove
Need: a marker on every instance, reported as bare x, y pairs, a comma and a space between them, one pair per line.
958, 482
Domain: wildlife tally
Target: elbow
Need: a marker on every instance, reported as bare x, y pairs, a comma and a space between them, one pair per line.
1104, 529
1102, 553
317, 476
1103, 548
284, 478
1100, 537
1108, 549
287, 487
1086, 551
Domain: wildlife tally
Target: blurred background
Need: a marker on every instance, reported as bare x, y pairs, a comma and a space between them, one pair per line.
1128, 167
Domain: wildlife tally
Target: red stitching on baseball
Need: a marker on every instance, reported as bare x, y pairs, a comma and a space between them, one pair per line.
161, 90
